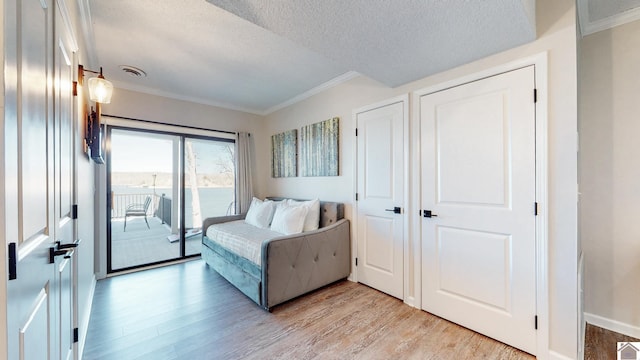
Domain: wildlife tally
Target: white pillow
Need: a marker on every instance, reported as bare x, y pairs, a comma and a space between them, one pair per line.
260, 213
289, 219
312, 220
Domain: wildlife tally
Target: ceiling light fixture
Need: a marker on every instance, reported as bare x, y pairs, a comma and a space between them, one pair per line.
100, 89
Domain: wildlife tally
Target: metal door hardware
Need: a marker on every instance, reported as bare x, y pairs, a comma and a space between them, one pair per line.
428, 214
396, 210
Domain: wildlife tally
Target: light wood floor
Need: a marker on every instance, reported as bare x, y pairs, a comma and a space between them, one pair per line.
187, 311
601, 344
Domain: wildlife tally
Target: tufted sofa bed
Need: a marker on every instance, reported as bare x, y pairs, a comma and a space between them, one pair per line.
286, 266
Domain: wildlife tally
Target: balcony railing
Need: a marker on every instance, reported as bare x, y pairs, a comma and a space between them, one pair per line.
160, 205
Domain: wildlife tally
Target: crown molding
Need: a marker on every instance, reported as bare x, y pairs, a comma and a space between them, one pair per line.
170, 95
316, 90
588, 27
87, 33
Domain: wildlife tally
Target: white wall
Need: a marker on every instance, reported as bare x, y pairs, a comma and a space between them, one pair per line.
609, 176
136, 105
556, 26
143, 106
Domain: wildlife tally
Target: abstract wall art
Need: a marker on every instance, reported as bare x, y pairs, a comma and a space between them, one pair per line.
284, 151
319, 148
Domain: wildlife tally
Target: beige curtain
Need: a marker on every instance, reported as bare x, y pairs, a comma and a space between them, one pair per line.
244, 181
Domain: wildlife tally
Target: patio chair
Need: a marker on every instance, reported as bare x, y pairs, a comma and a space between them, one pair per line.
134, 210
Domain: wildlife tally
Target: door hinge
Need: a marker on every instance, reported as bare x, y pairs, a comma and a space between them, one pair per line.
356, 261
535, 209
356, 131
75, 88
535, 95
13, 261
74, 211
75, 335
356, 196
536, 322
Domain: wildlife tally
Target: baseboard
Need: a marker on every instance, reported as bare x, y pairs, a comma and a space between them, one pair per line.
84, 327
556, 356
411, 301
613, 325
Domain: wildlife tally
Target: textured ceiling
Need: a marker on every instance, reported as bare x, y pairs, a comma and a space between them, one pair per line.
255, 55
393, 42
194, 51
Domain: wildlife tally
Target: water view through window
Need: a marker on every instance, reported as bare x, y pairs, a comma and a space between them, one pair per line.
145, 171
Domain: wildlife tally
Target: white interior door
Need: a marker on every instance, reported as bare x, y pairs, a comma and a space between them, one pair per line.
380, 178
32, 308
478, 177
64, 181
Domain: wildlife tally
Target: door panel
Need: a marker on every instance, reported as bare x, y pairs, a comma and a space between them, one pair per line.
64, 184
478, 177
378, 156
145, 221
379, 252
381, 189
34, 329
480, 156
35, 27
65, 294
32, 185
486, 279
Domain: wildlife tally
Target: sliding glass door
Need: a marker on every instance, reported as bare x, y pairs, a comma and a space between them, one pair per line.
150, 173
209, 185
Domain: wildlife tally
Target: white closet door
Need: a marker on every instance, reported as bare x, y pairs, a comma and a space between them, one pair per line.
478, 183
381, 198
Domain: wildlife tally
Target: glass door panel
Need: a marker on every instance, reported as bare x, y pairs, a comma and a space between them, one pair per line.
145, 193
209, 185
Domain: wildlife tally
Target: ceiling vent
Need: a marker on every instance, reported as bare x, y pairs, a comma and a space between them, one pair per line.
133, 71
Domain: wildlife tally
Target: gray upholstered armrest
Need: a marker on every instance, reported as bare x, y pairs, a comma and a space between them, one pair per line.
219, 219
296, 264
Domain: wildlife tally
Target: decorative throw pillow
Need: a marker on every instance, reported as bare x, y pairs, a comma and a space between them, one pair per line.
260, 213
289, 219
312, 220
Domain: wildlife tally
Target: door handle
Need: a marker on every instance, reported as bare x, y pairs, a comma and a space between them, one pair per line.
53, 253
396, 210
68, 246
60, 249
428, 214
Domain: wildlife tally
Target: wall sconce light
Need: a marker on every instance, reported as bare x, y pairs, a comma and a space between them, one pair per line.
94, 136
100, 89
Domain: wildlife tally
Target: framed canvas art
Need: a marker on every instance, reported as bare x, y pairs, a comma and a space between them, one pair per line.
319, 148
284, 153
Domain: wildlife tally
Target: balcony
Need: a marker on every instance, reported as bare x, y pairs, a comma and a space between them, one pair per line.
141, 245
